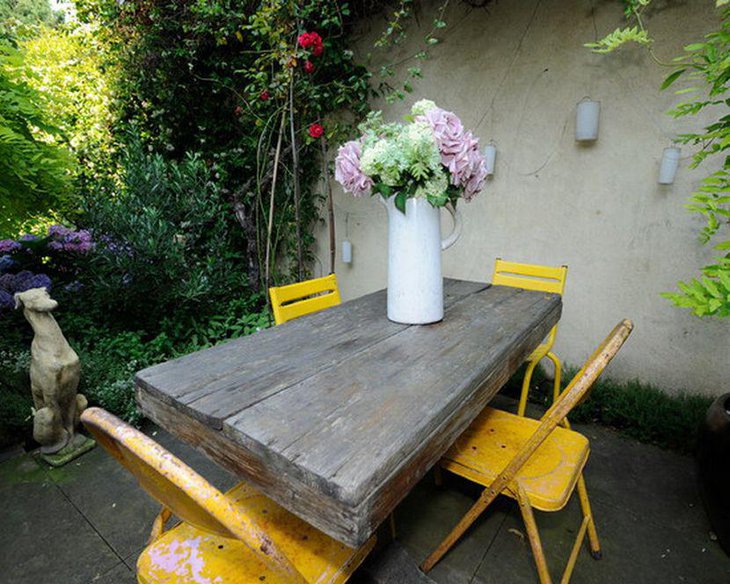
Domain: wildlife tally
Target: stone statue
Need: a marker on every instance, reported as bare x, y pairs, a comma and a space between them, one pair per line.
54, 377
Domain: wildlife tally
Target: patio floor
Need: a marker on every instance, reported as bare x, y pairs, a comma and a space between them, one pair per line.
88, 521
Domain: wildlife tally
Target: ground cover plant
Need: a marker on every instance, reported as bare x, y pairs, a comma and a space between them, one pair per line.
638, 410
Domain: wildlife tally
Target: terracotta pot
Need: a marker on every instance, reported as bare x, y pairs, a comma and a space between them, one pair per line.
713, 465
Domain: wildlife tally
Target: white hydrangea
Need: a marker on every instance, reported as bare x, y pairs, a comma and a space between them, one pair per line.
434, 187
421, 107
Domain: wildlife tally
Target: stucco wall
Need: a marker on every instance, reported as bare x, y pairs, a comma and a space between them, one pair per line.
514, 74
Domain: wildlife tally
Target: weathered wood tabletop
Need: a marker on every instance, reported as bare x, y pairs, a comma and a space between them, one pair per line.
338, 414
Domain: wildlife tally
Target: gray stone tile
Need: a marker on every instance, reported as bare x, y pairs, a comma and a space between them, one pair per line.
429, 513
44, 538
390, 565
119, 574
110, 498
643, 479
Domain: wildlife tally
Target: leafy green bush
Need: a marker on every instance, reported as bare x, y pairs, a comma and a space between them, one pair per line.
165, 244
15, 397
34, 164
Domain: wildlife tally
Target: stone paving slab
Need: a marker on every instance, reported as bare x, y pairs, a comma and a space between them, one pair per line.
88, 521
44, 538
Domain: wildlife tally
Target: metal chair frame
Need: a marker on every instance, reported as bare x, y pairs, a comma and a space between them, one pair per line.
508, 482
542, 279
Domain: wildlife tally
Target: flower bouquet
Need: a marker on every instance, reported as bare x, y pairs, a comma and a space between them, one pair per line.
430, 157
417, 167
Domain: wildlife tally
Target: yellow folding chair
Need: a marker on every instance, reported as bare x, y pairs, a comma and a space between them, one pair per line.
295, 300
542, 279
231, 538
533, 461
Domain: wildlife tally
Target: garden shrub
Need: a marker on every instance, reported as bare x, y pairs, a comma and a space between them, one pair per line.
166, 247
34, 163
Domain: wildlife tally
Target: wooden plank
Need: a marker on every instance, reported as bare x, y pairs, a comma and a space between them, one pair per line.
350, 426
343, 494
219, 382
325, 513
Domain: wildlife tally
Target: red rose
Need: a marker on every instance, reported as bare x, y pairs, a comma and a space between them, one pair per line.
304, 40
308, 67
238, 111
309, 39
312, 41
264, 95
316, 130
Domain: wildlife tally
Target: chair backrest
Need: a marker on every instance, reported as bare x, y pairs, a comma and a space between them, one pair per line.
529, 276
295, 300
576, 391
178, 487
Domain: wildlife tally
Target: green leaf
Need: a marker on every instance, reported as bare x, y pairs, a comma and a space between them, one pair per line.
400, 202
672, 78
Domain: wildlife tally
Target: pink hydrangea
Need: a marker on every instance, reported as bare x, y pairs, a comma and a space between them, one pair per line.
348, 172
475, 182
459, 150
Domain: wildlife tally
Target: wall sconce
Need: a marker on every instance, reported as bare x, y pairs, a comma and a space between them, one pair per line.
668, 167
587, 114
490, 155
346, 252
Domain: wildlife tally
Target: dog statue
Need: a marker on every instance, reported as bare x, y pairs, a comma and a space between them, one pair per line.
54, 374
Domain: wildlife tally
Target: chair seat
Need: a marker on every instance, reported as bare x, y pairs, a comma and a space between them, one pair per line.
495, 437
188, 554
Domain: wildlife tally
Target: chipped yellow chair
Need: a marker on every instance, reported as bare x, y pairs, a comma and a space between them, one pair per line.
542, 279
295, 300
231, 538
535, 462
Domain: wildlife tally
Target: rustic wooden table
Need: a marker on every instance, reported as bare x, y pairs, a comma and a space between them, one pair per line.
339, 414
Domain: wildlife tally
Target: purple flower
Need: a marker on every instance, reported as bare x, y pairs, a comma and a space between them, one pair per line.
28, 237
475, 182
6, 262
9, 246
7, 283
39, 281
459, 151
66, 239
348, 172
7, 302
23, 281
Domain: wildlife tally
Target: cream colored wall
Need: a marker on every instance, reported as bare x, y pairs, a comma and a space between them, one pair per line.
514, 74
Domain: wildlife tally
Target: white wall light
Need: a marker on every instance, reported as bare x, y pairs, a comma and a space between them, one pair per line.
490, 155
587, 114
668, 167
346, 252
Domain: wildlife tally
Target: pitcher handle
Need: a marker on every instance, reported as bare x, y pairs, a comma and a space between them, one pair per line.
451, 239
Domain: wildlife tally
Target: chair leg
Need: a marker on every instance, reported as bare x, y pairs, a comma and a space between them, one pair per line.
484, 500
158, 526
558, 373
556, 383
533, 536
438, 476
526, 387
586, 507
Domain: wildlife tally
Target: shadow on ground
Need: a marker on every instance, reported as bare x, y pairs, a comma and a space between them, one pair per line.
87, 522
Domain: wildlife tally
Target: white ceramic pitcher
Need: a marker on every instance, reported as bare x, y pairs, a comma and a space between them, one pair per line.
415, 284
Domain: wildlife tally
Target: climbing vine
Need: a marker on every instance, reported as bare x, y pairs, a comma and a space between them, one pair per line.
708, 64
